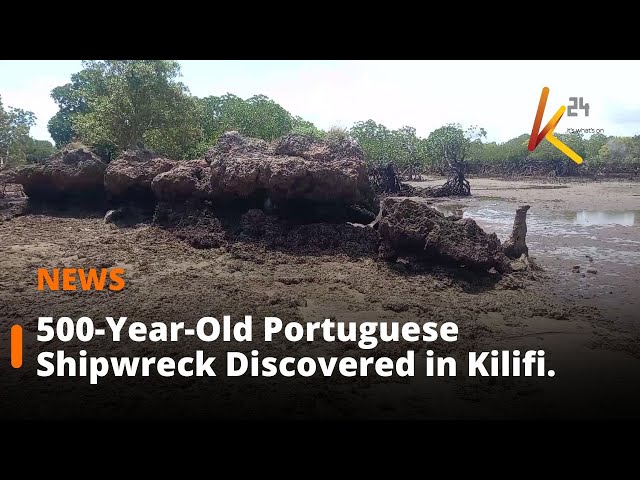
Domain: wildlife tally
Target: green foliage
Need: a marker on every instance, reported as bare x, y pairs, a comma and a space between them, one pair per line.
72, 101
382, 146
15, 142
303, 127
374, 139
112, 105
620, 153
257, 117
450, 146
409, 150
592, 146
38, 150
119, 104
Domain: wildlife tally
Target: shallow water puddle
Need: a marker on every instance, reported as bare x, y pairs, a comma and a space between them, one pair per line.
502, 213
626, 219
564, 234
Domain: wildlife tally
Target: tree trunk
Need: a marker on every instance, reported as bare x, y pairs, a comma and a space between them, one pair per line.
457, 184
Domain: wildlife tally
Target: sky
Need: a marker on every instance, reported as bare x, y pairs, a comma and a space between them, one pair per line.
500, 96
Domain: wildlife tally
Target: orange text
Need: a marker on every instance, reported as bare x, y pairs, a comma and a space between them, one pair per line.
80, 279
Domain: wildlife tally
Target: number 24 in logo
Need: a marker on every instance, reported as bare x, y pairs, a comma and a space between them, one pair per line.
576, 103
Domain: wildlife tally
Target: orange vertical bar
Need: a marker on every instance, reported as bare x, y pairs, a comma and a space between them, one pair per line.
535, 139
16, 346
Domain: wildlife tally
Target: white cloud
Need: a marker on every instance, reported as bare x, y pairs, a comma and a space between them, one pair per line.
500, 96
34, 95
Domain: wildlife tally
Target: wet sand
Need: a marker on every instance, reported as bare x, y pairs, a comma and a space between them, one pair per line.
590, 335
590, 225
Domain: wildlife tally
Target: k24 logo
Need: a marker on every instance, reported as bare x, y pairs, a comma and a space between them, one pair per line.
547, 132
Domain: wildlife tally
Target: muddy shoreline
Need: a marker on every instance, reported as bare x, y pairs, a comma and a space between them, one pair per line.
592, 345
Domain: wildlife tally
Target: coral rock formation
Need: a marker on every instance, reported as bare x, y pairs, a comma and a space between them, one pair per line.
74, 172
409, 227
190, 179
131, 174
292, 168
515, 246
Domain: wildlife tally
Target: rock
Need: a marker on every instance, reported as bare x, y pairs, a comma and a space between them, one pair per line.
112, 215
397, 306
309, 149
292, 168
131, 174
576, 269
190, 179
410, 227
70, 173
403, 264
234, 142
360, 214
516, 243
592, 270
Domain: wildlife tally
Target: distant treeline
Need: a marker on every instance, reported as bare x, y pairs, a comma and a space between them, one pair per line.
115, 105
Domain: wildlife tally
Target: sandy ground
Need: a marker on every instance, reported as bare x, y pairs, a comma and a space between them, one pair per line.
592, 346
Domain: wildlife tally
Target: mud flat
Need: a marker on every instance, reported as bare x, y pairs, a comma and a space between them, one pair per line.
586, 234
588, 334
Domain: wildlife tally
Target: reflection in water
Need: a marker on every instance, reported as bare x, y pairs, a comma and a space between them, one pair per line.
584, 217
497, 215
575, 230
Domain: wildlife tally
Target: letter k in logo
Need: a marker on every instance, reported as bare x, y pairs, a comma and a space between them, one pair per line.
547, 131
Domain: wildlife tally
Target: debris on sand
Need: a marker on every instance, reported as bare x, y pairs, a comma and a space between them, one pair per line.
508, 282
409, 226
113, 215
295, 167
516, 245
200, 226
70, 173
190, 179
12, 199
310, 238
592, 270
131, 174
525, 263
194, 223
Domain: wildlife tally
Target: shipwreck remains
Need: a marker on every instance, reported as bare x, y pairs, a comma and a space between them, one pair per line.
294, 167
70, 173
189, 179
410, 227
295, 193
130, 175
